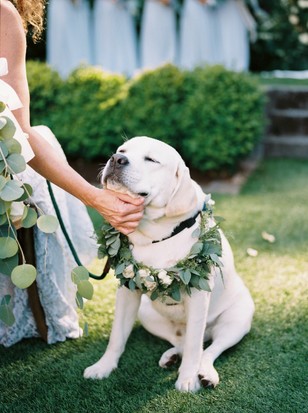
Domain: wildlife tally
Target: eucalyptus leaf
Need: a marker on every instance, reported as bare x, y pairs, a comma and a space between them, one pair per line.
2, 106
30, 218
13, 145
79, 273
2, 166
6, 300
204, 285
79, 300
4, 206
176, 294
16, 163
3, 151
11, 191
119, 269
196, 233
3, 219
86, 329
85, 289
131, 285
28, 191
8, 130
48, 223
185, 276
6, 315
196, 248
154, 295
3, 182
23, 275
8, 247
8, 264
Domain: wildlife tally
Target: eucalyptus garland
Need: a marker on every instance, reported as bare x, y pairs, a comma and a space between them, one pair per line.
17, 209
191, 272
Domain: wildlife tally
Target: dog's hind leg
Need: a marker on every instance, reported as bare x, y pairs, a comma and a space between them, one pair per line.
230, 327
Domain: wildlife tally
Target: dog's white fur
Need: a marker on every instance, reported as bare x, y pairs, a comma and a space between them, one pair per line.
224, 316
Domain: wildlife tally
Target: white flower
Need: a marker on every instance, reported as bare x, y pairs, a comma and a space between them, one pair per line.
268, 237
303, 4
149, 283
143, 273
164, 277
293, 19
303, 38
128, 272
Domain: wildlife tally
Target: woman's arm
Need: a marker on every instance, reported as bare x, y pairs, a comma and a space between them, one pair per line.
122, 211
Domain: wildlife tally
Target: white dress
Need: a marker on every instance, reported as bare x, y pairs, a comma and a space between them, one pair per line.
199, 35
68, 42
234, 35
158, 36
115, 42
54, 260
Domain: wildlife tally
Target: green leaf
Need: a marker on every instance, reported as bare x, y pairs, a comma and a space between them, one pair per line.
2, 166
30, 219
86, 329
3, 219
131, 285
196, 233
79, 300
79, 273
6, 315
6, 300
176, 294
13, 146
2, 107
194, 281
185, 276
12, 191
27, 192
3, 182
16, 163
216, 259
204, 285
119, 269
23, 275
48, 223
4, 151
8, 247
8, 264
154, 295
8, 130
196, 248
85, 289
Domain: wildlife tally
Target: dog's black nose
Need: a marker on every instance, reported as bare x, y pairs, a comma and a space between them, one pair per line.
118, 160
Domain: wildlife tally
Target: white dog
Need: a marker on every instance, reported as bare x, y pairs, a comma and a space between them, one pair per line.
154, 170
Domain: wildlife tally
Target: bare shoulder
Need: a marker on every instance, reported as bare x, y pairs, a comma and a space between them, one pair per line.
10, 18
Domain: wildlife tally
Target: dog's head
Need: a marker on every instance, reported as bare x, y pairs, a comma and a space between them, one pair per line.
152, 169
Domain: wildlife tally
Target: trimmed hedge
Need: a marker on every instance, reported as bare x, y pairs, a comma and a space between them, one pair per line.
212, 116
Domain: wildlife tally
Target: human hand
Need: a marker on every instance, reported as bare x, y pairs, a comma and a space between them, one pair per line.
120, 210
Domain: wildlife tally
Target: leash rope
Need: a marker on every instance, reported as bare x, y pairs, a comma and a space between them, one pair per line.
68, 240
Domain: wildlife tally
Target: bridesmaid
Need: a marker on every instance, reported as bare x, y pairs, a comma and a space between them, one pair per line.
199, 34
68, 35
115, 42
158, 38
236, 25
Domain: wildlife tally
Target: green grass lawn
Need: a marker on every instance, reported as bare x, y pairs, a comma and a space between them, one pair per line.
266, 372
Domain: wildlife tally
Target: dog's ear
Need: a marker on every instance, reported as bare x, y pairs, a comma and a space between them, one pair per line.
184, 197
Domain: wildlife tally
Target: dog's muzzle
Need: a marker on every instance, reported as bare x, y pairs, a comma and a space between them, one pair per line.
115, 166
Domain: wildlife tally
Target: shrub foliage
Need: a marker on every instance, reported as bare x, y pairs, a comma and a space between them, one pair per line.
212, 116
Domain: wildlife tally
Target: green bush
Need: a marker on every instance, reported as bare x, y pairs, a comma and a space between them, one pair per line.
45, 84
151, 107
212, 116
86, 121
221, 118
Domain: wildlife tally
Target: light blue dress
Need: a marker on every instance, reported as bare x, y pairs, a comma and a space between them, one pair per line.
68, 42
234, 35
54, 260
115, 42
158, 36
199, 35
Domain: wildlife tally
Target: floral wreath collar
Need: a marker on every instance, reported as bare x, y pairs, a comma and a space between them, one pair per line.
191, 272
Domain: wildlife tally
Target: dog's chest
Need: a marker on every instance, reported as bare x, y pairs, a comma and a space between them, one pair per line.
167, 253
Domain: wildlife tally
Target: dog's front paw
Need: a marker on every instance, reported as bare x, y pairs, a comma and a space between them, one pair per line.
99, 370
188, 384
208, 377
169, 358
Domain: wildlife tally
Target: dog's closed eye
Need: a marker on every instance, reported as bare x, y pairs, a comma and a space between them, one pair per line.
149, 159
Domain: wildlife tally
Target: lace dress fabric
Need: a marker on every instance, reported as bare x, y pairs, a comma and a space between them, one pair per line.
54, 261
